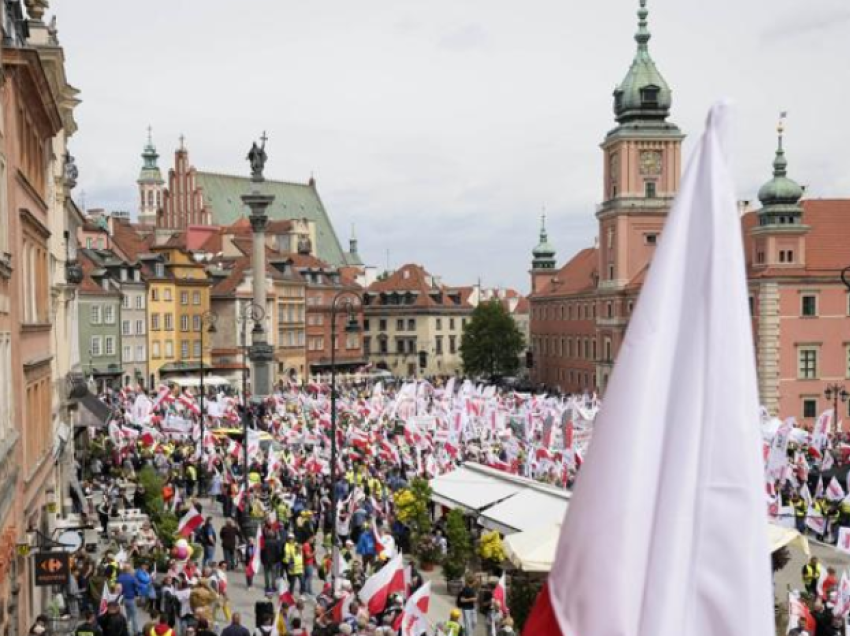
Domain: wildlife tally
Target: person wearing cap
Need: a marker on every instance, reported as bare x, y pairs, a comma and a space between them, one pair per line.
453, 626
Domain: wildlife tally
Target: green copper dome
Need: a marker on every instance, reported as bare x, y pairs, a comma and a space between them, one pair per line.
643, 94
150, 169
780, 197
544, 253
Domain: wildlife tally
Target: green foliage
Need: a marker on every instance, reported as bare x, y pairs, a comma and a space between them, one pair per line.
460, 546
166, 528
491, 342
522, 593
153, 483
412, 510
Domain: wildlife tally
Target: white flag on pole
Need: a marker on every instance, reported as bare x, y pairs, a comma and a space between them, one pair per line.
659, 543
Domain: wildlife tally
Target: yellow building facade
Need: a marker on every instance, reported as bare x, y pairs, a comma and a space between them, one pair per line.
178, 297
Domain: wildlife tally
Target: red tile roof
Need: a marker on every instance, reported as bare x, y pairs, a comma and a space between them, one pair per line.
129, 242
577, 276
414, 279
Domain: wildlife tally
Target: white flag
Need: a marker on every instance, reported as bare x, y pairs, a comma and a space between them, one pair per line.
834, 491
684, 385
843, 540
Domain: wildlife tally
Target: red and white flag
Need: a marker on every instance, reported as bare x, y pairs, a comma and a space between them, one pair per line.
104, 599
843, 543
253, 566
500, 596
674, 400
413, 621
834, 491
190, 522
381, 585
842, 605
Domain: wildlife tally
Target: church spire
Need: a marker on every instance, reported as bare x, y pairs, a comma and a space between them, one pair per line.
150, 183
644, 94
780, 197
544, 253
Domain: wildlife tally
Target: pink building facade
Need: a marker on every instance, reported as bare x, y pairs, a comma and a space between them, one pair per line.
795, 252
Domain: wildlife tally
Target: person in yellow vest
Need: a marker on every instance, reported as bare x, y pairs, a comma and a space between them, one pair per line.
453, 626
293, 559
800, 510
811, 575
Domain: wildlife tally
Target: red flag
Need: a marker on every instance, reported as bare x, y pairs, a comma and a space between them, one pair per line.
254, 564
385, 582
190, 522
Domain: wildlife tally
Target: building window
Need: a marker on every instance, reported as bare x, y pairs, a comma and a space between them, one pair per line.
154, 322
382, 345
95, 315
451, 325
438, 345
125, 327
452, 344
140, 301
607, 350
809, 306
810, 408
184, 322
651, 239
155, 350
184, 298
169, 349
184, 349
127, 355
196, 349
140, 353
94, 346
411, 324
169, 322
140, 327
399, 325
593, 349
196, 298
351, 341
365, 324
649, 188
125, 300
609, 310
367, 345
109, 315
166, 294
440, 324
159, 270
808, 364
154, 294
196, 323
399, 345
109, 345
382, 325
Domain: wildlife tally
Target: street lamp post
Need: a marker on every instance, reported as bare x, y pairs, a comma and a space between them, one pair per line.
836, 392
351, 326
250, 312
208, 320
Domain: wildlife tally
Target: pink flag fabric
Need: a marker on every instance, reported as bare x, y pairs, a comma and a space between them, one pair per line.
649, 555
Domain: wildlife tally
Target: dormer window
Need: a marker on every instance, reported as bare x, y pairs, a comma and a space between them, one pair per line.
649, 96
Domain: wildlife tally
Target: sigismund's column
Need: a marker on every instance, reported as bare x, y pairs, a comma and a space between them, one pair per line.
261, 353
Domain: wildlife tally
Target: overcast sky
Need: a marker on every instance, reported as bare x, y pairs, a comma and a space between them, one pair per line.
443, 127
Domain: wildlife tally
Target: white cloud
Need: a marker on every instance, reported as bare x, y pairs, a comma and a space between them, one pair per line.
442, 128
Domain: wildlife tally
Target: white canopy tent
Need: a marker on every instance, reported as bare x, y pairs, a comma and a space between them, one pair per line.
471, 488
209, 381
527, 510
534, 550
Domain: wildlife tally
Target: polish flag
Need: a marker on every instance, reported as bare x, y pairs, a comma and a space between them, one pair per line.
797, 610
385, 582
834, 491
413, 621
239, 499
254, 564
190, 522
500, 596
686, 482
104, 599
843, 540
284, 595
342, 608
163, 396
189, 402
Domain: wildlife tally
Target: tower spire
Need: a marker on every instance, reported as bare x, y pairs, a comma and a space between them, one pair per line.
780, 163
643, 35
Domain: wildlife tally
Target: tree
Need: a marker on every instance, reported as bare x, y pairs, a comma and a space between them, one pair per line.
460, 546
491, 342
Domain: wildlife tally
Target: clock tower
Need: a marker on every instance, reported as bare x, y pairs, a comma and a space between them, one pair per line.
642, 164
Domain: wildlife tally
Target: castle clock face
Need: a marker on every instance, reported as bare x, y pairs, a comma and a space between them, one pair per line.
650, 162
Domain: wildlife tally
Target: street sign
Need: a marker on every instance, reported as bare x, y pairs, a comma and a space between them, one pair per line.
52, 568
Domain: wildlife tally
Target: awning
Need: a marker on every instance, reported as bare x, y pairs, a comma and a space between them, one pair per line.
534, 551
470, 490
209, 380
524, 511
